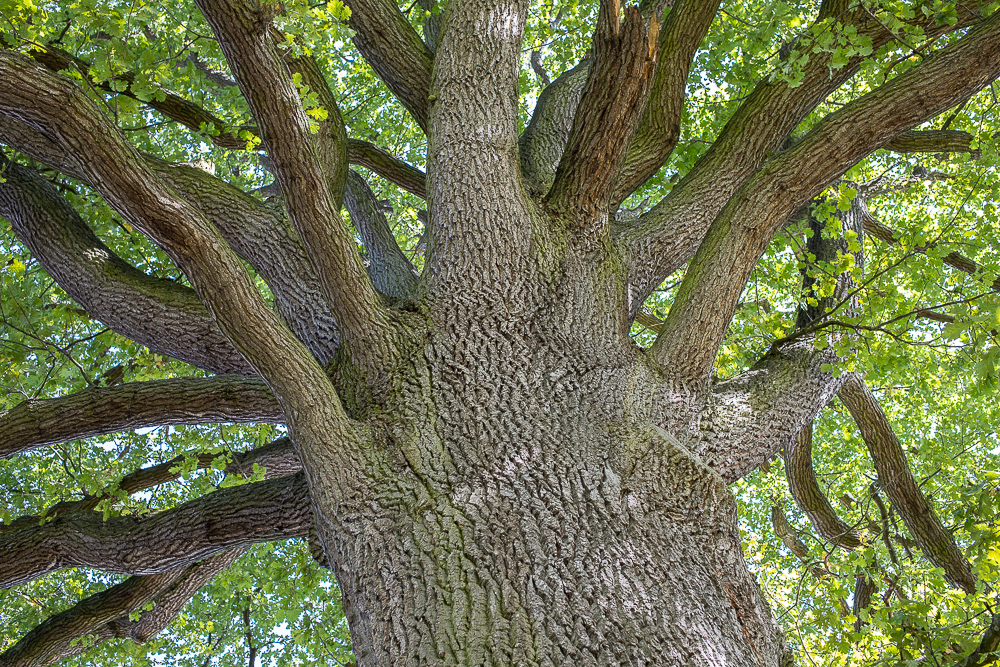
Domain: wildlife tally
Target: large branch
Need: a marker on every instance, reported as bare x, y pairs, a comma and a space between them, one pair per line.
388, 166
752, 416
232, 517
931, 141
625, 54
102, 410
481, 222
395, 51
810, 497
738, 237
304, 176
683, 31
543, 142
109, 614
330, 137
667, 236
162, 315
390, 271
277, 458
895, 477
266, 240
56, 107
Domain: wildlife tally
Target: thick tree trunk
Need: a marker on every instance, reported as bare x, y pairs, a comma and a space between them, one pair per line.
532, 512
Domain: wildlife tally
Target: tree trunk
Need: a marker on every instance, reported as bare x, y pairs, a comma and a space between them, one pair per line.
533, 512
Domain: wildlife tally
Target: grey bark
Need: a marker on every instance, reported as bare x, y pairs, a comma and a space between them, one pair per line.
390, 271
225, 519
161, 314
499, 476
102, 410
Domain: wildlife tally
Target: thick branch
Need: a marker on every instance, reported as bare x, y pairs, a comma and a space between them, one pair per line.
543, 142
667, 236
278, 459
232, 517
106, 615
480, 220
102, 410
267, 242
58, 108
715, 279
625, 54
302, 166
752, 416
897, 480
805, 489
682, 33
395, 51
956, 260
160, 314
390, 271
330, 139
389, 167
931, 141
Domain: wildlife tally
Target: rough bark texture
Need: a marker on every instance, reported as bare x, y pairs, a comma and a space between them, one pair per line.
228, 518
102, 410
807, 493
895, 477
107, 614
494, 471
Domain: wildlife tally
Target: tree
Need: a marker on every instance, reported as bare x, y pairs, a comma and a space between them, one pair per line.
492, 467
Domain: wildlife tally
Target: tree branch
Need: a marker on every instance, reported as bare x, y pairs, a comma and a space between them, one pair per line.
102, 410
330, 443
739, 235
304, 176
985, 653
164, 316
232, 517
387, 166
268, 242
810, 497
543, 142
684, 30
390, 271
751, 417
667, 236
330, 137
625, 56
278, 459
480, 220
897, 480
956, 260
395, 51
173, 106
932, 141
107, 615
